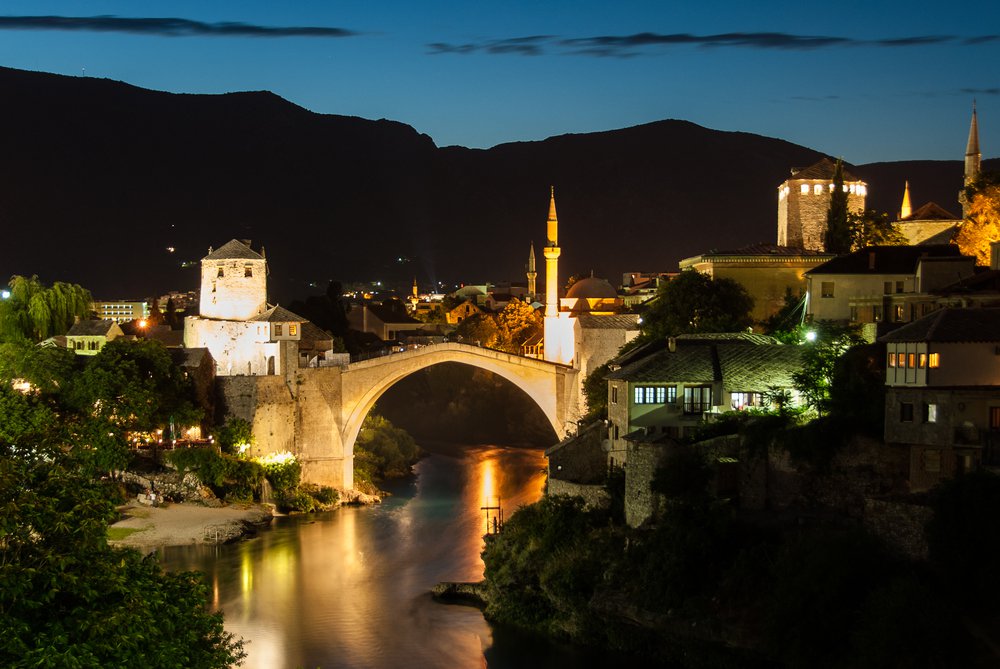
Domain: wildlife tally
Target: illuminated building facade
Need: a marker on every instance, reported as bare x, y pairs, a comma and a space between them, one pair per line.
803, 202
121, 311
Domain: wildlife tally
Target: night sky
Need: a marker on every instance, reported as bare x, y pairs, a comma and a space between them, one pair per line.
868, 81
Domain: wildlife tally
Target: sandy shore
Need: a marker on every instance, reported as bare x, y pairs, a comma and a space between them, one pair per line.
183, 524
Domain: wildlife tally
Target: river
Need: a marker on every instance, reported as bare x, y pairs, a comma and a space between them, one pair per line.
349, 588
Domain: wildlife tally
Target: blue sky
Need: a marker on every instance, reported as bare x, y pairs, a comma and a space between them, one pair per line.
868, 81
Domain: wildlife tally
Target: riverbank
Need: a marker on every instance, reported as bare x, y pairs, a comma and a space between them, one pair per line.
148, 528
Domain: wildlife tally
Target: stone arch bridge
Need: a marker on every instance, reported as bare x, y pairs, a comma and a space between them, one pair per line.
316, 413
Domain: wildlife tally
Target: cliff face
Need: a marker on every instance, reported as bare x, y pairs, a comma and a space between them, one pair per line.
99, 178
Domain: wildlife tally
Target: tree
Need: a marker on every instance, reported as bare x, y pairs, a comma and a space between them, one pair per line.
35, 312
68, 599
516, 323
870, 228
820, 359
695, 302
838, 234
982, 224
479, 329
595, 389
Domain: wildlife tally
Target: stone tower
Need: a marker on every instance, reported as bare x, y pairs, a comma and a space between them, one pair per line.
558, 345
233, 282
532, 273
972, 161
803, 201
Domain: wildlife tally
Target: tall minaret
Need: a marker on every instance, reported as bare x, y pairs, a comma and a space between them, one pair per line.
532, 274
972, 160
552, 259
905, 210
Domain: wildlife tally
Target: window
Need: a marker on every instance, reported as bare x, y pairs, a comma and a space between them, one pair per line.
930, 412
277, 329
877, 313
293, 329
614, 394
901, 360
826, 289
804, 188
922, 360
933, 360
892, 359
899, 286
906, 412
995, 418
650, 394
221, 273
248, 271
697, 399
854, 314
740, 401
911, 361
898, 313
616, 432
671, 394
818, 189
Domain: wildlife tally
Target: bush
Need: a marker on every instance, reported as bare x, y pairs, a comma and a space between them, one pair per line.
243, 479
205, 463
235, 436
388, 449
282, 470
322, 494
295, 500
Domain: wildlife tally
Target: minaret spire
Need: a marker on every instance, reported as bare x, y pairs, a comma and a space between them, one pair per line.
532, 273
972, 160
905, 210
552, 259
553, 222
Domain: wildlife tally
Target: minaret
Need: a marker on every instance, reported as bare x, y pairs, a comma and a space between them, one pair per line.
532, 274
905, 210
414, 297
552, 259
972, 160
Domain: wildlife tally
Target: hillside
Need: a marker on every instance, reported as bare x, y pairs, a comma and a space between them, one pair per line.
99, 178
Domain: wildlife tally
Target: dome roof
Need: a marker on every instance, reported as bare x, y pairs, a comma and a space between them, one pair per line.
592, 288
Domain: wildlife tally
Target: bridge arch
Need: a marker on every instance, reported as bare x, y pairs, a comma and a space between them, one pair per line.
364, 382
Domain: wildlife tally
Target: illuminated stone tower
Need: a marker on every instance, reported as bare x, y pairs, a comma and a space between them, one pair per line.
558, 327
532, 274
972, 160
414, 296
804, 199
905, 210
233, 282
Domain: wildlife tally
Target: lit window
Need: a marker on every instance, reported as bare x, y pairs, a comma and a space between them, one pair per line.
852, 188
930, 413
862, 190
933, 360
912, 361
697, 399
906, 412
650, 394
805, 189
922, 360
899, 312
293, 329
831, 188
901, 360
740, 401
826, 289
671, 394
661, 394
818, 189
892, 359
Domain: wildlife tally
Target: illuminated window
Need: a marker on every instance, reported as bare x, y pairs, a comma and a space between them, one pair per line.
912, 361
852, 188
892, 359
671, 394
862, 190
933, 360
650, 394
906, 412
930, 413
805, 189
831, 188
922, 360
826, 289
277, 329
818, 189
740, 401
697, 399
898, 312
901, 360
877, 313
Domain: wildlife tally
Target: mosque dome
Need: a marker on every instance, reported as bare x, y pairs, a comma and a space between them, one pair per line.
592, 288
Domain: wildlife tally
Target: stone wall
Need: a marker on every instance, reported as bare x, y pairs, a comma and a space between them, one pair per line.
234, 295
581, 459
594, 496
641, 503
900, 524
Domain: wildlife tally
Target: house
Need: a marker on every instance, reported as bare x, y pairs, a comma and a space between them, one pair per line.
881, 283
89, 337
767, 272
670, 387
943, 393
462, 311
384, 320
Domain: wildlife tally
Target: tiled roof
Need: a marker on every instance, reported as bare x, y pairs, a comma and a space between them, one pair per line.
931, 212
986, 281
951, 325
234, 249
728, 337
823, 170
92, 328
188, 357
887, 259
278, 314
609, 322
767, 250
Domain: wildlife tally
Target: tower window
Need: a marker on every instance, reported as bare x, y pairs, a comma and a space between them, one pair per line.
221, 273
805, 189
818, 189
277, 329
293, 329
248, 271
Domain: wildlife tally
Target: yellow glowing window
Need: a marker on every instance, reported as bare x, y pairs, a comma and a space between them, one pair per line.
912, 364
901, 360
818, 189
933, 360
892, 359
293, 329
923, 360
805, 189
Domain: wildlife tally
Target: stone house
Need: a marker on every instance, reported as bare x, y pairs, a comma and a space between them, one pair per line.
943, 393
671, 387
883, 283
460, 312
89, 337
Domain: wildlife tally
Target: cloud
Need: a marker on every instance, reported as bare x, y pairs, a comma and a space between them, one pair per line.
164, 27
624, 46
815, 98
981, 91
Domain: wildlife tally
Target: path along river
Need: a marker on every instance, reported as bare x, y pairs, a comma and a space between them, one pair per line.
349, 588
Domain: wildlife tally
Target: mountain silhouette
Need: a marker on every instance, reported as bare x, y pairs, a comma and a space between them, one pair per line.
100, 178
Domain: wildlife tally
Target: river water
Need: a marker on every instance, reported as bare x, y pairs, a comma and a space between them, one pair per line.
349, 588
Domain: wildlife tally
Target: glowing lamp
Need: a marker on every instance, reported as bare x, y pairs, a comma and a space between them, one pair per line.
811, 336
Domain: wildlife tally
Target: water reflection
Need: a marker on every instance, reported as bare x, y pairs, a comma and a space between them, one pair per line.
349, 588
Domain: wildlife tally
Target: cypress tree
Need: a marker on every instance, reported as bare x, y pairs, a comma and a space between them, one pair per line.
838, 233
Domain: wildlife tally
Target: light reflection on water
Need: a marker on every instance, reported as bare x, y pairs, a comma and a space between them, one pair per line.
349, 588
